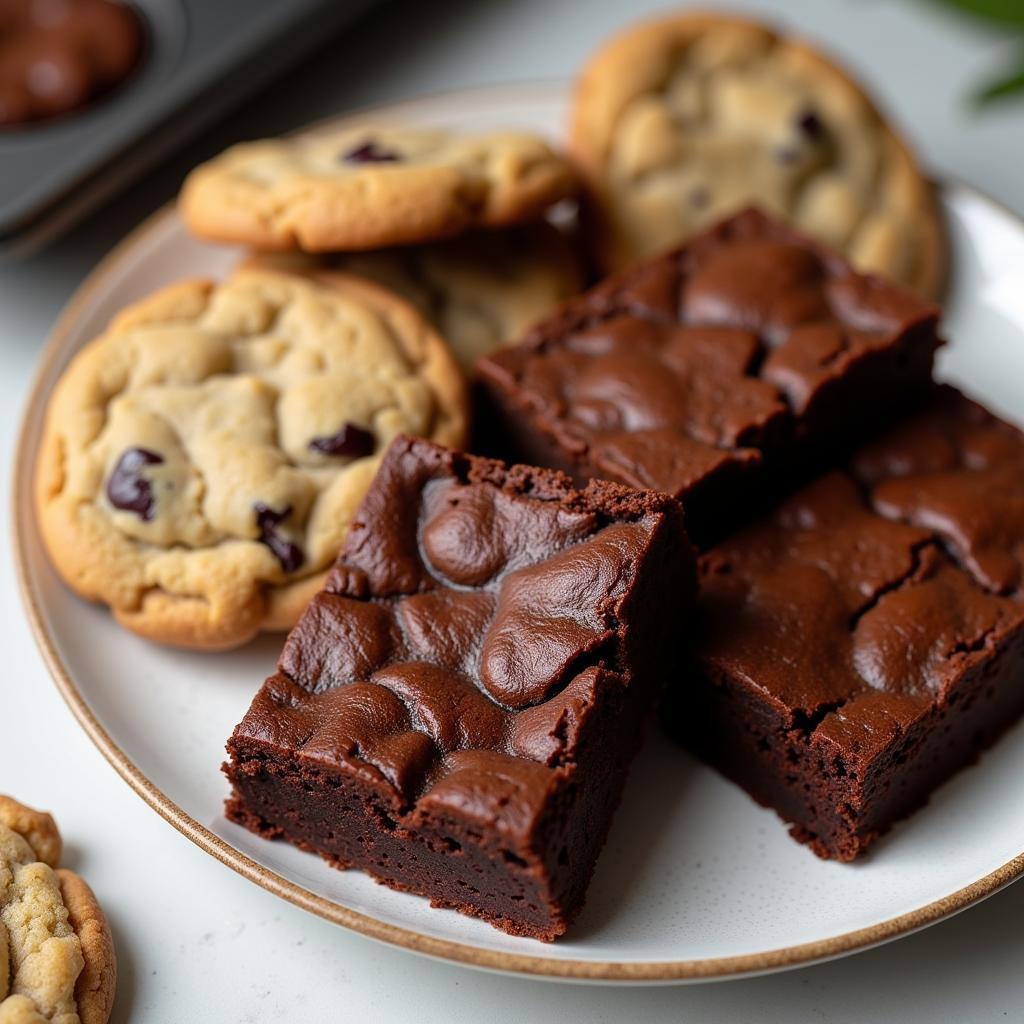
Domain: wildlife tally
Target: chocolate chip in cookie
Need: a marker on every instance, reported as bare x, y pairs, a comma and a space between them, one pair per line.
127, 489
288, 553
351, 440
370, 153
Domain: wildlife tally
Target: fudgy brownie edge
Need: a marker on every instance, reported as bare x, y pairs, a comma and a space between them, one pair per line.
379, 743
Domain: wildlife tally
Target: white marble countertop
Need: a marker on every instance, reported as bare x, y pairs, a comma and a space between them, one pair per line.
198, 943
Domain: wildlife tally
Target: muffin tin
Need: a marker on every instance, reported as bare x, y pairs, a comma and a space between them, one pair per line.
199, 59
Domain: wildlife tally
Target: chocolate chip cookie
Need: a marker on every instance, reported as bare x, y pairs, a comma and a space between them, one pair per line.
367, 187
202, 458
57, 960
480, 291
681, 121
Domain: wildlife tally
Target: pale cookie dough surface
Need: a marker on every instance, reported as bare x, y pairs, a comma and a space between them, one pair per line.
57, 962
202, 459
679, 122
37, 828
371, 186
481, 291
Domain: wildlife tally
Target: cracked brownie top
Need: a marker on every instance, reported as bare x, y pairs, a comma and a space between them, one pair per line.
744, 341
868, 594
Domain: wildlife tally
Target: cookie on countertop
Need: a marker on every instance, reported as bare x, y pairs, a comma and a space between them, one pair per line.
369, 187
202, 458
481, 290
57, 963
683, 120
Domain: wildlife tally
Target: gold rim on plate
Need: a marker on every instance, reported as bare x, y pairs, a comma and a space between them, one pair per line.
445, 949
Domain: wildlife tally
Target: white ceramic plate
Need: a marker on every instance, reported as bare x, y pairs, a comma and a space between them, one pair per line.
696, 881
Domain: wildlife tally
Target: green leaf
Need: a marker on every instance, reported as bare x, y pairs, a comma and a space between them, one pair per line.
1003, 12
1002, 88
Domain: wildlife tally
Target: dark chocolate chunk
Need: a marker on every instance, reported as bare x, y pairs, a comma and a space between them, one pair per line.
810, 124
352, 441
699, 197
127, 488
289, 554
370, 153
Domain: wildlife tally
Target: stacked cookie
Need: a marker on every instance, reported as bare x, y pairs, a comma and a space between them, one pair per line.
452, 223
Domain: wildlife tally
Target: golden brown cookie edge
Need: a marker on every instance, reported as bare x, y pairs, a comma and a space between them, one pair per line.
589, 152
178, 620
96, 985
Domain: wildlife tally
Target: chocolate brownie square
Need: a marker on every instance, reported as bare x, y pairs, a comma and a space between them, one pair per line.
456, 710
864, 642
751, 346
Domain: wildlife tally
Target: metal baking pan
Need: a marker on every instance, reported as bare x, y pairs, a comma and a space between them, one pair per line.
201, 58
